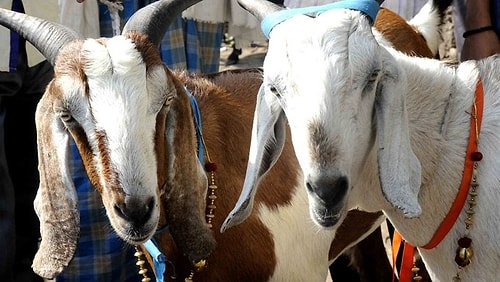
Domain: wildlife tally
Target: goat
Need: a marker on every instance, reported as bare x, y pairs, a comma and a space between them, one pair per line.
144, 163
375, 129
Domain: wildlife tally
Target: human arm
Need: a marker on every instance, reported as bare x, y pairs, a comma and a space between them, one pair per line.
483, 43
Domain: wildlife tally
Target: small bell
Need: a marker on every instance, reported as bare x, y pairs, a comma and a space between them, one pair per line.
200, 265
463, 256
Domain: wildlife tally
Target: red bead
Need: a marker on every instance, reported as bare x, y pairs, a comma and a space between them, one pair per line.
476, 156
464, 242
210, 167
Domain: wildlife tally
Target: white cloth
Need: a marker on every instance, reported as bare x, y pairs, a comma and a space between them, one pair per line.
46, 9
81, 17
306, 3
212, 11
404, 8
243, 26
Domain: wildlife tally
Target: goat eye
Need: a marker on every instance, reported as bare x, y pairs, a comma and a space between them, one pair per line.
169, 100
275, 91
65, 116
373, 76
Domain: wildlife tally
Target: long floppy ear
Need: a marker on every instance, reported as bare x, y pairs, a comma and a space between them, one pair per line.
186, 184
268, 139
399, 168
56, 203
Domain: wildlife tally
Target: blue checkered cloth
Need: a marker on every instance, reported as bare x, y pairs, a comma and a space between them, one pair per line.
187, 45
100, 255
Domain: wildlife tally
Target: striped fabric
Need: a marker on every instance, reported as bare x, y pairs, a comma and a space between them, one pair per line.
188, 44
101, 255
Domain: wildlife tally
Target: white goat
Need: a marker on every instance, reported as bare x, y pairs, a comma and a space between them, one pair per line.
375, 129
133, 125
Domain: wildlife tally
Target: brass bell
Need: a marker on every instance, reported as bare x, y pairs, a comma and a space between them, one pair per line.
200, 265
463, 256
465, 253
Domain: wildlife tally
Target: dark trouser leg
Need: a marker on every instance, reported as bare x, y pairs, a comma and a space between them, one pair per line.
7, 222
22, 160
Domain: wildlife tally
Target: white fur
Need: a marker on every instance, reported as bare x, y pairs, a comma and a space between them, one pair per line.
426, 21
292, 231
321, 67
118, 83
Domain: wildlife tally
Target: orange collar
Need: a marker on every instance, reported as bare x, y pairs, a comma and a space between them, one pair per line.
458, 204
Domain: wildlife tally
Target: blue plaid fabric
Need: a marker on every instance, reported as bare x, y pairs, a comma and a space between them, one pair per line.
101, 255
188, 44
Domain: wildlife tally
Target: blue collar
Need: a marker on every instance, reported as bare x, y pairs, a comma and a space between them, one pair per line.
368, 7
197, 124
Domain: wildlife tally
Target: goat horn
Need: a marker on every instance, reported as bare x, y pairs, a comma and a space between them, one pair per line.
46, 36
154, 19
259, 8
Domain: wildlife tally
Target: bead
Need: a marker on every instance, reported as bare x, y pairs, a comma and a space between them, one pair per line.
476, 156
210, 167
200, 265
464, 242
417, 278
140, 262
138, 254
143, 271
212, 186
463, 256
146, 279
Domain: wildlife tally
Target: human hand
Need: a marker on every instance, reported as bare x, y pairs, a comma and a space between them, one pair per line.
480, 45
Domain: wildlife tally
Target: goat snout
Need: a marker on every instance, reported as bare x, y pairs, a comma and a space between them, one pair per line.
136, 211
330, 190
327, 195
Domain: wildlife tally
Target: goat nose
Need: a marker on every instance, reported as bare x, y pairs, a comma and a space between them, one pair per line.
331, 190
135, 211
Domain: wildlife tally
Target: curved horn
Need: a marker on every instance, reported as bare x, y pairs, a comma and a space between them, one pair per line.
259, 8
154, 19
46, 36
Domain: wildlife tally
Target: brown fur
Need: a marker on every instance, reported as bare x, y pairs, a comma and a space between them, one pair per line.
403, 37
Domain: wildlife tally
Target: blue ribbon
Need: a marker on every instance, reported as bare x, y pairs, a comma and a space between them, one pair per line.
159, 259
368, 7
197, 124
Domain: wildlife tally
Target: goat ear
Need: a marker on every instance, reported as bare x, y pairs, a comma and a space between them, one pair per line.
56, 202
187, 185
268, 139
399, 168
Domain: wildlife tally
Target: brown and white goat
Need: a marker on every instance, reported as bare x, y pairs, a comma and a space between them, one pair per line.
133, 124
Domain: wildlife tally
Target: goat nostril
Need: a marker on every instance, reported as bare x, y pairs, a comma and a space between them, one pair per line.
136, 212
329, 190
309, 187
120, 211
